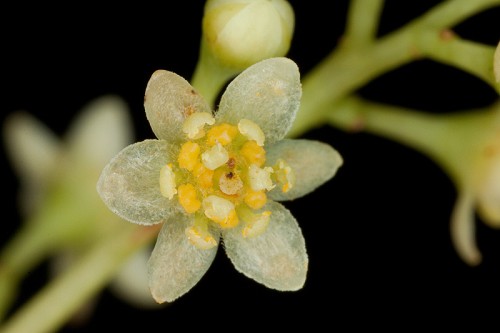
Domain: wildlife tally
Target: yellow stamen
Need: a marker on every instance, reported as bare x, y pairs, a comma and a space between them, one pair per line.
284, 175
255, 224
223, 134
193, 125
188, 198
221, 211
255, 199
188, 156
260, 178
204, 175
167, 182
200, 237
251, 131
253, 153
214, 157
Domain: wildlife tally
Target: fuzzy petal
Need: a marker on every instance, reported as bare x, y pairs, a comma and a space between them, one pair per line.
313, 163
277, 258
169, 99
462, 228
176, 265
268, 93
102, 129
129, 184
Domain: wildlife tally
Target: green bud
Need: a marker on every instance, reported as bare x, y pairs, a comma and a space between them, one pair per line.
240, 33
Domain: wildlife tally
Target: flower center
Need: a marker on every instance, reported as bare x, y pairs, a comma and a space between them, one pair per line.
220, 176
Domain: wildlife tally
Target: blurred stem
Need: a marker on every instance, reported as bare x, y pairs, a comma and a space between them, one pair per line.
58, 223
347, 69
362, 22
210, 76
57, 302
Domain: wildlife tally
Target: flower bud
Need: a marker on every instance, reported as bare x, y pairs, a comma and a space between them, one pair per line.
240, 33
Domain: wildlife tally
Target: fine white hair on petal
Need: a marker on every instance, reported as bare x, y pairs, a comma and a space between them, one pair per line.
462, 229
168, 101
267, 93
130, 184
176, 265
313, 163
276, 258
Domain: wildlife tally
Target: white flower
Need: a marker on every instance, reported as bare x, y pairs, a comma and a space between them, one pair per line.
224, 178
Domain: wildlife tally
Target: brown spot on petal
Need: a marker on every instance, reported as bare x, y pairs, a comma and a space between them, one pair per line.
189, 110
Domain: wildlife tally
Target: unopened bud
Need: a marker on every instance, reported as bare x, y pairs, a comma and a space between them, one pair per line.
240, 33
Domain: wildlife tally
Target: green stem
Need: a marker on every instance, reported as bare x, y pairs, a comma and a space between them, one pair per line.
448, 139
59, 222
362, 22
469, 56
451, 12
59, 300
210, 76
348, 69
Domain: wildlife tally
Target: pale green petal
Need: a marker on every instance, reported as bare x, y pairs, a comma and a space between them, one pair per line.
101, 130
129, 184
32, 148
176, 265
277, 258
169, 99
268, 93
463, 230
313, 163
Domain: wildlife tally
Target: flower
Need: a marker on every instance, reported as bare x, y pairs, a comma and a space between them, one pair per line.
211, 177
242, 32
478, 181
57, 186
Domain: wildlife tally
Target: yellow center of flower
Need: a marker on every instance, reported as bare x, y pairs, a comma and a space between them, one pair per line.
220, 176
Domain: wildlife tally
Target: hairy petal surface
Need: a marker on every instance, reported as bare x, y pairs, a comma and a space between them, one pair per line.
176, 265
168, 101
463, 230
277, 258
129, 184
268, 93
313, 163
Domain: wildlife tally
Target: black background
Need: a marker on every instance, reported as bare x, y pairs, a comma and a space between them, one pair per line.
377, 234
